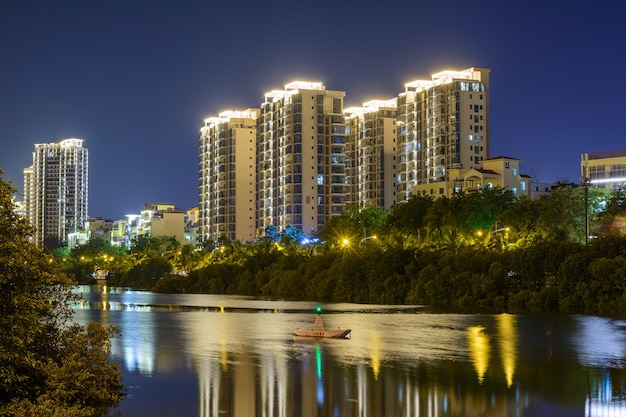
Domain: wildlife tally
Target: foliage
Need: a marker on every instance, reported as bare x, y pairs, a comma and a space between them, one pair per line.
483, 250
47, 367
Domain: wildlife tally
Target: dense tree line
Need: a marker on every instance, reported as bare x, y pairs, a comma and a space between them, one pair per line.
49, 366
485, 251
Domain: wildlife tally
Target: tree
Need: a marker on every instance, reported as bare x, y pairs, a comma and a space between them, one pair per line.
48, 366
407, 219
613, 220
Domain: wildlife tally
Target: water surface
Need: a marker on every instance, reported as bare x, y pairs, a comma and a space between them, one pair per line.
210, 355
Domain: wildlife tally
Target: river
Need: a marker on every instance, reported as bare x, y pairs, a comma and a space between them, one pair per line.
211, 355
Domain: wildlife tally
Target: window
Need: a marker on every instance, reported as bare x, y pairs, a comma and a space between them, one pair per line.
514, 171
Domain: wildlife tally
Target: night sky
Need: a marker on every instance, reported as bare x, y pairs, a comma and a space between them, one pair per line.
135, 79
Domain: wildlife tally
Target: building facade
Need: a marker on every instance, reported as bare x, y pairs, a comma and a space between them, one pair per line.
371, 153
227, 176
56, 188
162, 220
443, 124
497, 172
604, 169
300, 158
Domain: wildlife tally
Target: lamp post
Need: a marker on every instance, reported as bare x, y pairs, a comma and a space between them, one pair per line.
367, 238
584, 181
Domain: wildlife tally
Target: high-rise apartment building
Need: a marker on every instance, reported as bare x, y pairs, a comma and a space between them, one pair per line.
301, 175
56, 191
300, 158
227, 176
371, 153
443, 124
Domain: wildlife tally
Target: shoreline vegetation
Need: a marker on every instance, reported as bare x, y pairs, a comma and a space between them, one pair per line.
485, 251
49, 366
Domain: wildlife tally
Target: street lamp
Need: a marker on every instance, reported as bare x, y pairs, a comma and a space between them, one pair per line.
367, 238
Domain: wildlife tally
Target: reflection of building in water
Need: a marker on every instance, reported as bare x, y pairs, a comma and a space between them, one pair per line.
507, 336
478, 343
603, 401
209, 384
309, 378
136, 346
375, 353
479, 347
601, 343
274, 383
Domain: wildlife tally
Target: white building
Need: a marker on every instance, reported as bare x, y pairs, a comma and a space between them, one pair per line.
371, 153
301, 163
56, 189
443, 124
227, 176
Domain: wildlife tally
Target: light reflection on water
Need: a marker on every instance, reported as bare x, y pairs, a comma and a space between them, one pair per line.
212, 355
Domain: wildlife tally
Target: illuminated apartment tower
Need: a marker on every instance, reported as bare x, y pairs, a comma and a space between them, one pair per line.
371, 153
227, 182
300, 158
443, 123
56, 190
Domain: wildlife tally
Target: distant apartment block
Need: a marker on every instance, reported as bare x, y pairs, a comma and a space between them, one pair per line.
443, 124
497, 172
301, 162
371, 153
605, 169
228, 176
56, 190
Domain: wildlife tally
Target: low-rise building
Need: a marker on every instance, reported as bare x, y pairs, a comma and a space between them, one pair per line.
99, 227
162, 219
192, 226
604, 169
500, 171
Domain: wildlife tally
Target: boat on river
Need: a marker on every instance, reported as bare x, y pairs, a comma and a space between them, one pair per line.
318, 330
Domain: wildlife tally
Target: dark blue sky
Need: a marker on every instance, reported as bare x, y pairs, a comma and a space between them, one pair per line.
135, 79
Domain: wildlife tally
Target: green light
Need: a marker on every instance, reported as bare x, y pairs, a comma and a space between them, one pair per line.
318, 309
318, 360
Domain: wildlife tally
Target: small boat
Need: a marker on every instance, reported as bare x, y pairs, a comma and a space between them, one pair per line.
318, 330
